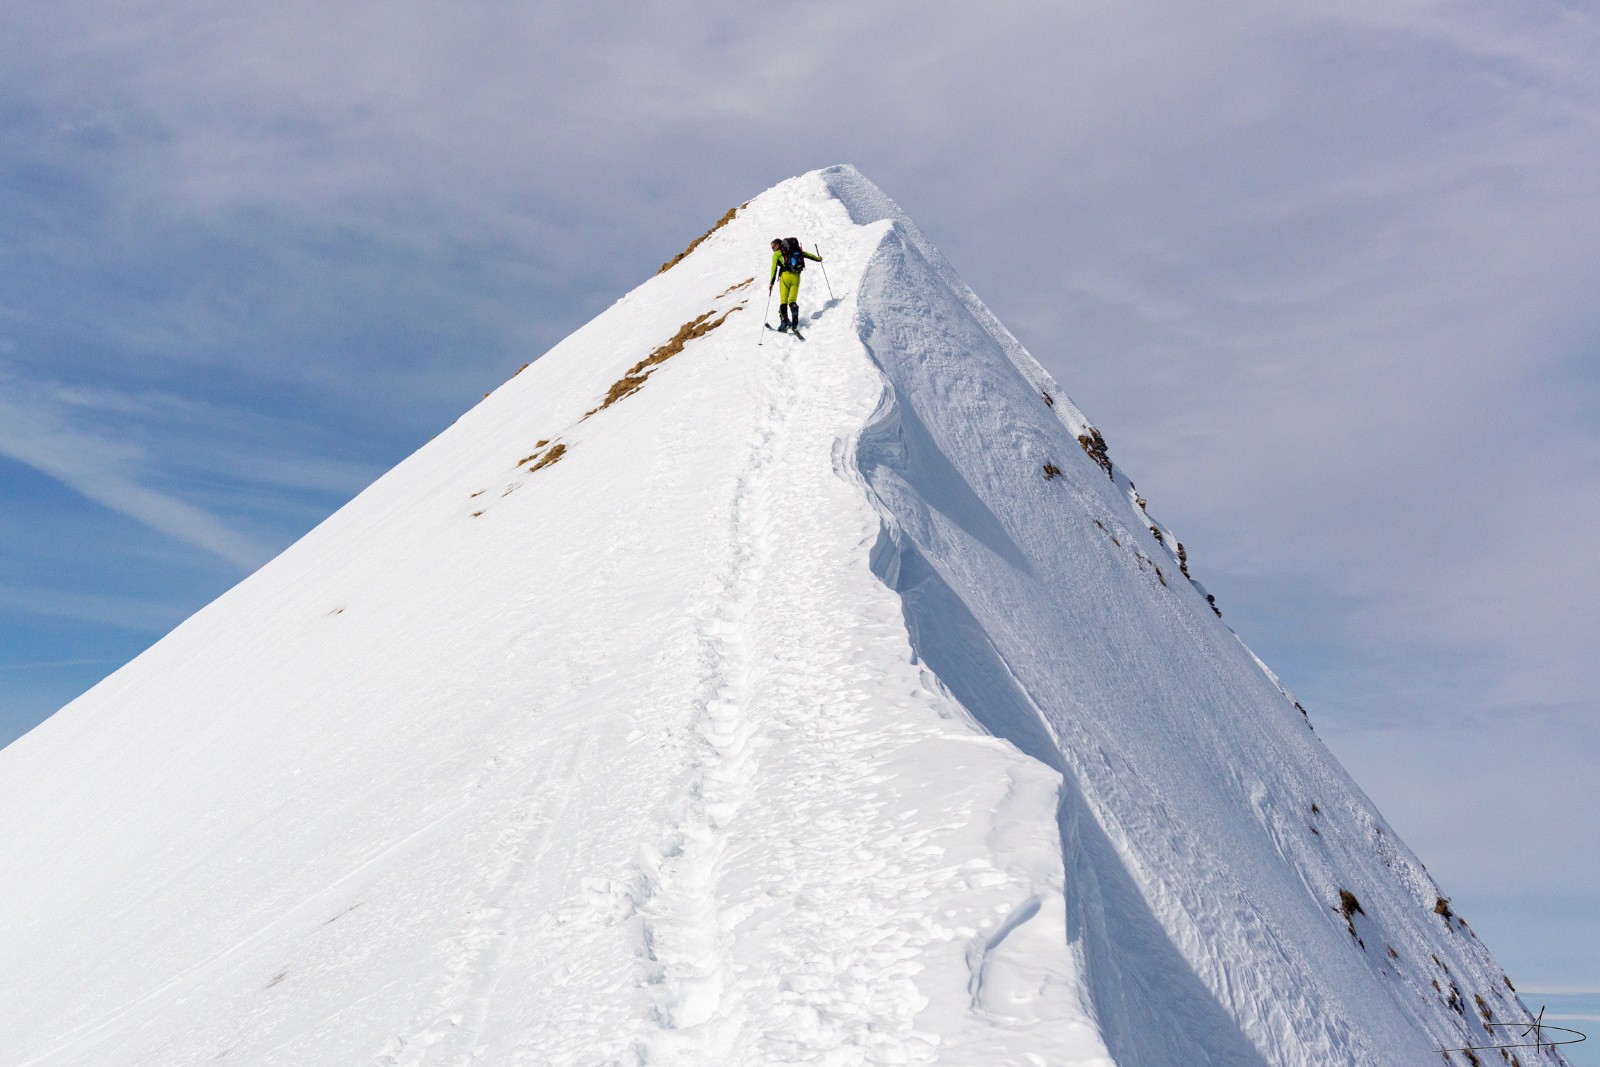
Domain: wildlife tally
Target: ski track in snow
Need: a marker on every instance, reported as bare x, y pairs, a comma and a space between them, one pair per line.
687, 936
447, 1033
844, 993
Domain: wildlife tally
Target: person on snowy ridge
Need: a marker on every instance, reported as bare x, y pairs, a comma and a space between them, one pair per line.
788, 260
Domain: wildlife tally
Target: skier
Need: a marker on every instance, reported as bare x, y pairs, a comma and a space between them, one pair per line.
788, 260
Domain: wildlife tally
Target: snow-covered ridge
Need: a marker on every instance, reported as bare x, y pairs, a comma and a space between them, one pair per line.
708, 697
1055, 625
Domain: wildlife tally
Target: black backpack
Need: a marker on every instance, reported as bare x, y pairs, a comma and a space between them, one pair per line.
793, 261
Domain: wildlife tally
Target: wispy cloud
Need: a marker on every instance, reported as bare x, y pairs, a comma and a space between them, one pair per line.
47, 664
141, 614
39, 431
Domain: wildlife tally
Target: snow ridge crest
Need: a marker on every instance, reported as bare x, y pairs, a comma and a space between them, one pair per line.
706, 696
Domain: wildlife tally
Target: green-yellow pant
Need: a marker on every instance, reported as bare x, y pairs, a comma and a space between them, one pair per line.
788, 288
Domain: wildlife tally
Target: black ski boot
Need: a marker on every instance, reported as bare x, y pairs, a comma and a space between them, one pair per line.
783, 318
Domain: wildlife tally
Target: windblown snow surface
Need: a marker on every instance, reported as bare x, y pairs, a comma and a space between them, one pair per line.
700, 701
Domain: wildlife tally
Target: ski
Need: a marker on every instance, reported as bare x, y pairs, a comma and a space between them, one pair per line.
795, 333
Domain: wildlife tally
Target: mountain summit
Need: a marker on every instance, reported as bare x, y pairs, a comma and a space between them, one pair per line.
708, 697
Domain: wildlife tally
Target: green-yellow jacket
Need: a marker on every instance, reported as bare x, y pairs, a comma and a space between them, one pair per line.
777, 264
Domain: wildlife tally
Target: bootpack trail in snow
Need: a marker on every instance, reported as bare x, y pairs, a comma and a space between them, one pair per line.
836, 707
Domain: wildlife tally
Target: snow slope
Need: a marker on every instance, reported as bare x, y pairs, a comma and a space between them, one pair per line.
699, 701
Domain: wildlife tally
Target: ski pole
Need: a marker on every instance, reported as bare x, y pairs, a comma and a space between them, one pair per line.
824, 267
763, 339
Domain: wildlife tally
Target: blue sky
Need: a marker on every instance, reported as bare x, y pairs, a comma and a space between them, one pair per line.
1324, 277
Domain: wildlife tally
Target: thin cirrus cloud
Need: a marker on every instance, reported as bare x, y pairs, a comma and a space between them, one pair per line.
41, 435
